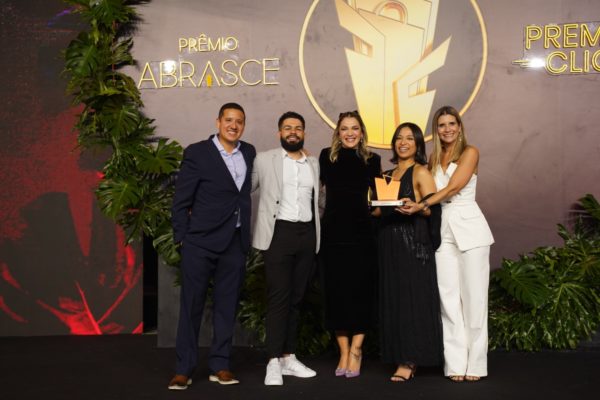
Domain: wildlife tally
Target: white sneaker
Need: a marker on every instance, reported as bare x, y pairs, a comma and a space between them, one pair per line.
273, 376
290, 365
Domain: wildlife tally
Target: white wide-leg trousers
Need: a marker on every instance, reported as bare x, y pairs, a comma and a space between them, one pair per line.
463, 280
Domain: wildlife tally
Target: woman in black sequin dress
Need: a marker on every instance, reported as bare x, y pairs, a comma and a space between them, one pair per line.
409, 303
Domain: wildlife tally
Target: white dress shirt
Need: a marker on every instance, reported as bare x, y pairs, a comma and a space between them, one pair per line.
296, 199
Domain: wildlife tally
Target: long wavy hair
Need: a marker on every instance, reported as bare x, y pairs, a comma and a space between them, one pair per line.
461, 141
336, 143
420, 155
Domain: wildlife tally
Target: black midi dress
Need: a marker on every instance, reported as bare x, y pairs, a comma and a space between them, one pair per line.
348, 249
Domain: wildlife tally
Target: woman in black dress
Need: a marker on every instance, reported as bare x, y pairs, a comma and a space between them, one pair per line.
347, 252
409, 302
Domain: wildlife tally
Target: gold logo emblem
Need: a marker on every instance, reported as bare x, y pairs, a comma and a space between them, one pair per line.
389, 61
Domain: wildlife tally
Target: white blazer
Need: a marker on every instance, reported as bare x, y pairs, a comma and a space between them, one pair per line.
462, 215
267, 177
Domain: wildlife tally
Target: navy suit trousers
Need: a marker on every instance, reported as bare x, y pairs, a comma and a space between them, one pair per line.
198, 266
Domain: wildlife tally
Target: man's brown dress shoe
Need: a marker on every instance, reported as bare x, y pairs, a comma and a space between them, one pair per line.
223, 377
180, 382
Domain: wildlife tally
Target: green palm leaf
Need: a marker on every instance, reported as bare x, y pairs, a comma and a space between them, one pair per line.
523, 281
82, 56
591, 206
573, 314
107, 12
119, 120
165, 246
121, 53
117, 196
164, 158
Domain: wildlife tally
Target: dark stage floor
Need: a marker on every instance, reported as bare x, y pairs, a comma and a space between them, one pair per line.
131, 367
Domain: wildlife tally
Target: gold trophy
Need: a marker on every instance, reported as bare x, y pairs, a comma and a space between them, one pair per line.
391, 61
387, 193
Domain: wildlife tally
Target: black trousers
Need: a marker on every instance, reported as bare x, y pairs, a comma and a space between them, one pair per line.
289, 264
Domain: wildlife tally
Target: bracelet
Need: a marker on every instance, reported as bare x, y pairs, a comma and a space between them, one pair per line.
425, 205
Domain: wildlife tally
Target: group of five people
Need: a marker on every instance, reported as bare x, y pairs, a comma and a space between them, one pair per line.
427, 261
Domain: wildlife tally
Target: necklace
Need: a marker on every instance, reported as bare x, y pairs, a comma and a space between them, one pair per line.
398, 173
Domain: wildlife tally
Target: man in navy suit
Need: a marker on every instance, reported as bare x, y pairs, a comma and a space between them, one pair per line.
211, 222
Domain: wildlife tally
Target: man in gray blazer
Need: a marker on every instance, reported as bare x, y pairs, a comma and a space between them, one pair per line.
287, 231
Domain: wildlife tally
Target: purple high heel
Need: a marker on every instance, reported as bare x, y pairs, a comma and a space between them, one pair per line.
340, 372
354, 374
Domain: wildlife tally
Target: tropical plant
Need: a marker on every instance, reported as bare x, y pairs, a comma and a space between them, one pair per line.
136, 189
550, 298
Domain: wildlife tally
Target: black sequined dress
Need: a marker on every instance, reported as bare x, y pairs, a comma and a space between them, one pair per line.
409, 303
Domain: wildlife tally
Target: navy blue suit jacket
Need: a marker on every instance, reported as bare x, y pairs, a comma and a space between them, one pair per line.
207, 200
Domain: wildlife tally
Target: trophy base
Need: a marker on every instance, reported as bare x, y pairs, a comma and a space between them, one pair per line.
386, 203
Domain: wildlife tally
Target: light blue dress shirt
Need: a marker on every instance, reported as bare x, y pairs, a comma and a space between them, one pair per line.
235, 164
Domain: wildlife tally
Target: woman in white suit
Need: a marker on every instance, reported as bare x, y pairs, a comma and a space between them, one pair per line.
462, 260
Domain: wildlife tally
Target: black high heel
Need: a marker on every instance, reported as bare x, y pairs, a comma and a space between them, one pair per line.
400, 378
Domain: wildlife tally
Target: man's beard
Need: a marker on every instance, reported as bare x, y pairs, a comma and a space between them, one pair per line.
293, 147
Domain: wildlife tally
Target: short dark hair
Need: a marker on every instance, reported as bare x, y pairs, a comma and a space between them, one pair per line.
420, 155
290, 114
235, 106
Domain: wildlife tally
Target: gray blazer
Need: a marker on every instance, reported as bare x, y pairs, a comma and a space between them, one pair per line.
267, 177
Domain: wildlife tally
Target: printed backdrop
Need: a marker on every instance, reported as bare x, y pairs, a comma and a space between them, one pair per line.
537, 132
524, 75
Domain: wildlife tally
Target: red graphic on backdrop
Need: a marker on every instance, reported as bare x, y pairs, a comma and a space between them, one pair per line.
52, 165
64, 267
6, 309
7, 276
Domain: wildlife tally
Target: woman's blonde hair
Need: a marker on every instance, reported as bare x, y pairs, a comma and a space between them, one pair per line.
459, 147
336, 143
